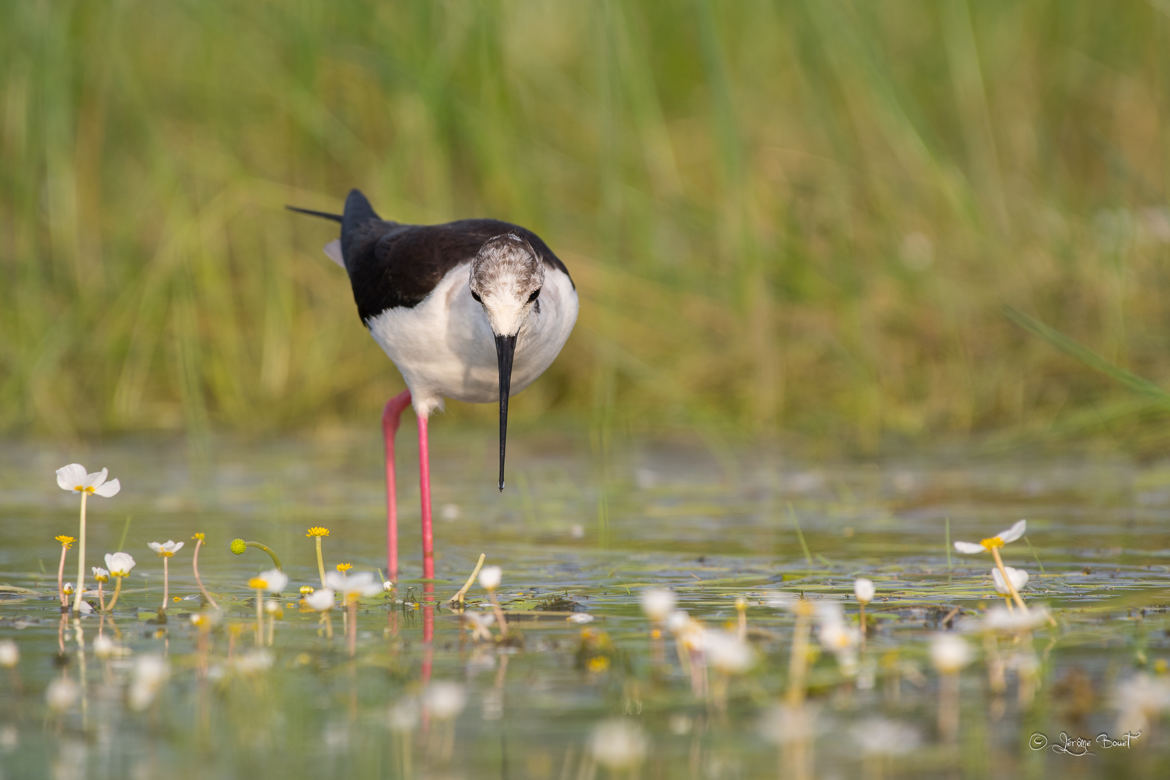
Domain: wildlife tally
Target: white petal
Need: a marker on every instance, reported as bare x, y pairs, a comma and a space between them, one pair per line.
177, 546
970, 548
155, 546
1019, 580
109, 489
863, 589
97, 478
71, 476
1013, 533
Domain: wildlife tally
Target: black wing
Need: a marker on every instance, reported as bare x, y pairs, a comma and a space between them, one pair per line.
392, 265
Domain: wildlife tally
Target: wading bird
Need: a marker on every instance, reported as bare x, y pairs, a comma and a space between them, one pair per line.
473, 310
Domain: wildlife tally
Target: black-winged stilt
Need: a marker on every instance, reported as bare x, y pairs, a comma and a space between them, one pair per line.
472, 310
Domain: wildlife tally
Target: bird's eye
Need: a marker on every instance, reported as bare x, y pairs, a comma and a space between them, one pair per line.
535, 295
475, 295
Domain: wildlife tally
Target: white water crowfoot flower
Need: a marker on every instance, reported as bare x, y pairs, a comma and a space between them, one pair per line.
1018, 577
489, 579
102, 577
166, 550
992, 545
864, 591
119, 564
1004, 621
949, 653
273, 581
319, 600
1138, 700
993, 542
658, 603
75, 479
353, 587
480, 625
150, 674
618, 745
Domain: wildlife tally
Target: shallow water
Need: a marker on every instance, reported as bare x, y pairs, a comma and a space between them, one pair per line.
590, 527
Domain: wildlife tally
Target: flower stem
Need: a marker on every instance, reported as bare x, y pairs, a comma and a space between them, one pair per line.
1011, 586
458, 597
259, 617
272, 555
61, 578
166, 582
80, 557
320, 562
351, 628
198, 580
101, 599
114, 600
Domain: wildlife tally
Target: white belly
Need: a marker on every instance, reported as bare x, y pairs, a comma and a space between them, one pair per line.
445, 348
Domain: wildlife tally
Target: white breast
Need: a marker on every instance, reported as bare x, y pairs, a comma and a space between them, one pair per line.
445, 348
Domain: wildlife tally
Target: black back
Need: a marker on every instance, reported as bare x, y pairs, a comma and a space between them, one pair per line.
391, 264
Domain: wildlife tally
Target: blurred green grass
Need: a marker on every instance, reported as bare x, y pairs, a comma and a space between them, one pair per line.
800, 216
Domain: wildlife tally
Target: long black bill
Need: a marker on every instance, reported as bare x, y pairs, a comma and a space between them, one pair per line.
505, 350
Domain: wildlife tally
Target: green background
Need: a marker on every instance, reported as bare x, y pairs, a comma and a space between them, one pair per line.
798, 216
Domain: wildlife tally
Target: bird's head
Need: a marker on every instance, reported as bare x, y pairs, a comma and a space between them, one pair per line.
506, 277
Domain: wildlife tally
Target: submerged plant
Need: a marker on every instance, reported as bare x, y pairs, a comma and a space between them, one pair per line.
166, 550
74, 478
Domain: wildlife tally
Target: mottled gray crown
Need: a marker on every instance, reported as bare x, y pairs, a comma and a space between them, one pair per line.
506, 264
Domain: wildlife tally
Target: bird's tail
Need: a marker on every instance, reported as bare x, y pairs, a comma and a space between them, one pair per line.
311, 213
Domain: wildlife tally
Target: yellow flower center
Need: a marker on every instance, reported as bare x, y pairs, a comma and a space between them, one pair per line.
81, 489
198, 537
66, 541
993, 542
167, 553
317, 531
344, 567
598, 663
258, 583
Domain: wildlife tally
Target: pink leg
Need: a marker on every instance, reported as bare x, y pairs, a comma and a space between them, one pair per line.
391, 417
424, 485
